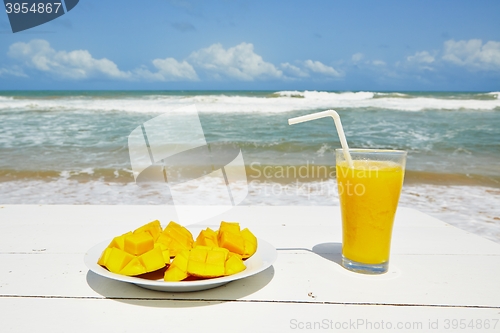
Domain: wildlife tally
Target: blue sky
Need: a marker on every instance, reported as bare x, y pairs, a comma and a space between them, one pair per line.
259, 45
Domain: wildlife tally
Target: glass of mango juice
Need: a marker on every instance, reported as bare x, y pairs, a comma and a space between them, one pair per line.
369, 192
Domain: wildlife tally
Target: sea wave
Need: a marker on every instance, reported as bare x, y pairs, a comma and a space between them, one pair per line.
495, 94
255, 171
281, 101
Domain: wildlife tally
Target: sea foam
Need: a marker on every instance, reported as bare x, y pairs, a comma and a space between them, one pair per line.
282, 101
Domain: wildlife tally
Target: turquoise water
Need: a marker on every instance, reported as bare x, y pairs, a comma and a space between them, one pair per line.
67, 147
46, 133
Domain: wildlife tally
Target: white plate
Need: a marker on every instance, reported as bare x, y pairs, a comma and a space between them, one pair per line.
262, 259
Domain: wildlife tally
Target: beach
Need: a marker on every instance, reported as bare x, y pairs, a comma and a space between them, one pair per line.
70, 147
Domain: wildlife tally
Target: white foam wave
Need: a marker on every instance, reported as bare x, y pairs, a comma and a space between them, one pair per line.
495, 93
286, 101
66, 174
328, 96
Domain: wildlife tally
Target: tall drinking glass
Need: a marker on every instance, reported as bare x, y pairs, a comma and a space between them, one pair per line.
369, 194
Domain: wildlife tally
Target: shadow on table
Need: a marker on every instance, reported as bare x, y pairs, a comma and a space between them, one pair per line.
132, 294
330, 251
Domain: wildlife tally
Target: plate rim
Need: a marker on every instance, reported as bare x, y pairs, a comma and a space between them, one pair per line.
92, 256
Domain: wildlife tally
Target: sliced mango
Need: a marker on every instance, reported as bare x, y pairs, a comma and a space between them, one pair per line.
207, 262
165, 252
233, 227
119, 241
149, 248
152, 260
176, 238
230, 237
234, 264
177, 271
117, 260
207, 237
139, 243
250, 243
134, 267
153, 228
104, 256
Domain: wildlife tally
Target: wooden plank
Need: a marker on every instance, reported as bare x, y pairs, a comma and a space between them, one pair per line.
104, 315
74, 229
297, 275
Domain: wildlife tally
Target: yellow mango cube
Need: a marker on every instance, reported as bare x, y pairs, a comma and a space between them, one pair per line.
177, 271
174, 274
119, 241
117, 260
215, 263
207, 262
233, 227
250, 243
234, 242
216, 255
153, 259
153, 228
176, 238
179, 228
139, 243
234, 264
165, 252
207, 237
133, 268
104, 256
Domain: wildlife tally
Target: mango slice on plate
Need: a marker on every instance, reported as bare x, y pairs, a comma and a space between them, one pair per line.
229, 237
119, 241
164, 251
117, 259
134, 267
234, 264
152, 260
149, 248
139, 243
104, 256
207, 237
176, 238
153, 228
250, 243
177, 271
207, 262
241, 242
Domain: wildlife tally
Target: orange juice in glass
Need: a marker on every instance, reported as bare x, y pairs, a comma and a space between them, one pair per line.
369, 193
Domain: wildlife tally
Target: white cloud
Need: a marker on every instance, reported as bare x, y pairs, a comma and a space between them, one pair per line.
473, 53
318, 67
293, 70
378, 63
169, 69
357, 57
78, 64
421, 57
12, 71
238, 62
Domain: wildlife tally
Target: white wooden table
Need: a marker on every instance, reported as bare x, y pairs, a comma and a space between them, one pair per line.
440, 278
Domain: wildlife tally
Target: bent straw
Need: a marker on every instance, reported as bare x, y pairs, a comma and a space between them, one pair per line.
338, 125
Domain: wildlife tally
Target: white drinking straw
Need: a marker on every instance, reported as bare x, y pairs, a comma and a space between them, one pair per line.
338, 125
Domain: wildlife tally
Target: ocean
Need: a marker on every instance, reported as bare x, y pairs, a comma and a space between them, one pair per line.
70, 147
